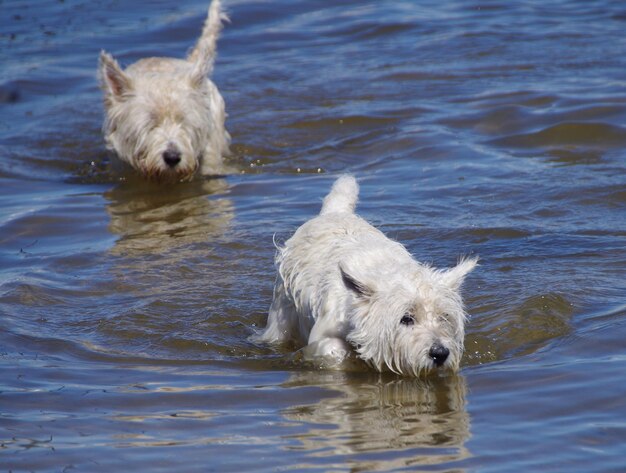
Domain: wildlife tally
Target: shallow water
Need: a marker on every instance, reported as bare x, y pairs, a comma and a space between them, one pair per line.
487, 128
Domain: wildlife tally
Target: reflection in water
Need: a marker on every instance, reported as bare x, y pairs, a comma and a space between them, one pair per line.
395, 421
170, 293
158, 219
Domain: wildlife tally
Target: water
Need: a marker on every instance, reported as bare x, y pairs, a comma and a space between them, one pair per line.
489, 128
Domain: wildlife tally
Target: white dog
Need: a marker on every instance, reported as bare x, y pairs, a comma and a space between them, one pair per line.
163, 115
342, 285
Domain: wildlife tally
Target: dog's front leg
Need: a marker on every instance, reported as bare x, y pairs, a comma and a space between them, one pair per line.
333, 349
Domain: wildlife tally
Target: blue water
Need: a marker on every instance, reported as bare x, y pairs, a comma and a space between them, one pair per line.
489, 128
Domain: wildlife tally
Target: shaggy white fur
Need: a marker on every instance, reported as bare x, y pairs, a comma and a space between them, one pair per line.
342, 285
163, 115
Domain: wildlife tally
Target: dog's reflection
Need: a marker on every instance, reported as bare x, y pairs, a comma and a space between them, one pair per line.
149, 218
411, 421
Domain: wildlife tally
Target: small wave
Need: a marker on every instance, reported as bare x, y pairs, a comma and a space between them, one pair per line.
356, 121
594, 135
520, 330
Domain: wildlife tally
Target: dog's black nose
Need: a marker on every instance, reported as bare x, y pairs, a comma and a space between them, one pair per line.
438, 353
171, 157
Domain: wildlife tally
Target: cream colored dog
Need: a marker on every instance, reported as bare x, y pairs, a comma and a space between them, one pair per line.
343, 286
163, 115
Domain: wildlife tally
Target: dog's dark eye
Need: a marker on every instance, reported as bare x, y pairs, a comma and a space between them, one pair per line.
407, 320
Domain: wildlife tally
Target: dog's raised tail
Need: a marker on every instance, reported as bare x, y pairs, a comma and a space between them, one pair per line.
342, 197
205, 48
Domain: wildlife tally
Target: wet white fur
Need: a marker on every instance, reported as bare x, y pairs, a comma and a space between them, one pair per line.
314, 306
158, 104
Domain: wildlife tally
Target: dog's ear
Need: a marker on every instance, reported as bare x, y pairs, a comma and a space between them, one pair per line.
354, 285
113, 79
454, 277
202, 65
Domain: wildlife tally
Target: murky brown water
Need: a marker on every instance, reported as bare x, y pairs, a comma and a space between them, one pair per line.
494, 128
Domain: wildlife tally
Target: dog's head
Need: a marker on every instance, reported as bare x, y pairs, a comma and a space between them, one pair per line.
410, 321
159, 120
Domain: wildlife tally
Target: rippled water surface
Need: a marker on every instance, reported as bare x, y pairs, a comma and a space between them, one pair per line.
491, 128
